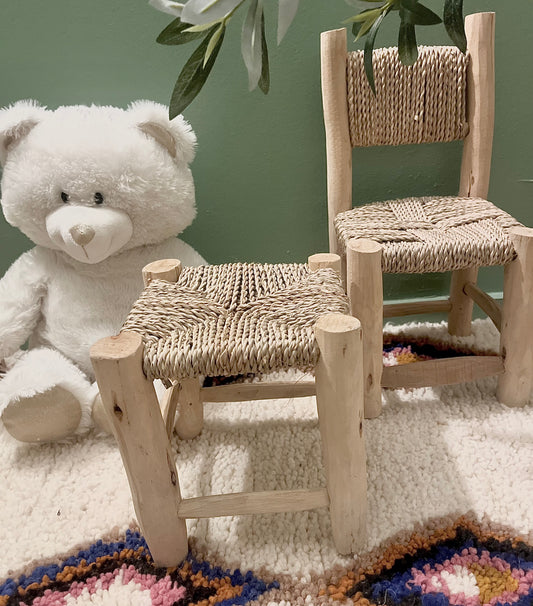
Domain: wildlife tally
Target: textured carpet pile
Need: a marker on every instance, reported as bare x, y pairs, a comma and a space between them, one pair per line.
450, 474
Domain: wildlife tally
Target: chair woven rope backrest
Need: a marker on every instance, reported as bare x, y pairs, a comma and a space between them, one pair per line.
420, 103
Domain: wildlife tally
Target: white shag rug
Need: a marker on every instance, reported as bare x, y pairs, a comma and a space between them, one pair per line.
432, 452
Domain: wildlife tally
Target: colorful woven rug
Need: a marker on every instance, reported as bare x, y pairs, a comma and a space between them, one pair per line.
121, 572
460, 564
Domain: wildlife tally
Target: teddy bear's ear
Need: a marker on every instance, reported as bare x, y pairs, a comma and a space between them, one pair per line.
16, 121
176, 135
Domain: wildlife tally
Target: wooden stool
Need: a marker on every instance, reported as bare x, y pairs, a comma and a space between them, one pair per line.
227, 320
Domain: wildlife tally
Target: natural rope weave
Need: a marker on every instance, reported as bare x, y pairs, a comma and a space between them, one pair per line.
420, 103
234, 319
421, 235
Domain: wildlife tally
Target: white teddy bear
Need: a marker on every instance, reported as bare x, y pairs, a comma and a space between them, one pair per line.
101, 191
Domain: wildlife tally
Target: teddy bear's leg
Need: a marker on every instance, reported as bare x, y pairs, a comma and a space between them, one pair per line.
45, 397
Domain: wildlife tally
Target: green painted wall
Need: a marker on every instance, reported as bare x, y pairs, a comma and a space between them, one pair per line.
260, 168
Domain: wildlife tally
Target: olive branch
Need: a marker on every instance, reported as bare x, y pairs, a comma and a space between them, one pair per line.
208, 19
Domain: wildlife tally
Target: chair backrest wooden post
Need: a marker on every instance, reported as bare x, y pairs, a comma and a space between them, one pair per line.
338, 145
477, 150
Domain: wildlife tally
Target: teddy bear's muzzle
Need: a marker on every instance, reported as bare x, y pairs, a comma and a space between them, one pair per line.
89, 234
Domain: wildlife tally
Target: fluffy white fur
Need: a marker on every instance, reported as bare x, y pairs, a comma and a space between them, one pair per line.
127, 191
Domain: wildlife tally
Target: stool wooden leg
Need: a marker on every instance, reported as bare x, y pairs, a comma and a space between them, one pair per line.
131, 402
516, 344
365, 291
190, 418
460, 315
339, 393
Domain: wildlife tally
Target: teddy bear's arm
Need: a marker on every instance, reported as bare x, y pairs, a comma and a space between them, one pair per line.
178, 249
21, 291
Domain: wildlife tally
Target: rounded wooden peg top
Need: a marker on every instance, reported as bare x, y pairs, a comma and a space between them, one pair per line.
123, 345
364, 245
521, 231
337, 323
324, 261
164, 269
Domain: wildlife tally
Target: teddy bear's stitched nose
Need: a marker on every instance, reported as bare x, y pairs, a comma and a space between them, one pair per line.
82, 234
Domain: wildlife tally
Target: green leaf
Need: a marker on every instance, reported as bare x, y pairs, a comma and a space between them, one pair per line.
251, 47
356, 28
357, 3
213, 41
407, 48
193, 75
454, 23
365, 27
264, 80
418, 14
360, 27
199, 12
364, 15
175, 33
201, 28
286, 12
369, 49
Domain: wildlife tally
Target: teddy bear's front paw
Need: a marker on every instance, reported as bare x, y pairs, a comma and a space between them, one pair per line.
51, 415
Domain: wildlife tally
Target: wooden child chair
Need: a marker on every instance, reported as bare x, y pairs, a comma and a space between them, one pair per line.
225, 320
445, 96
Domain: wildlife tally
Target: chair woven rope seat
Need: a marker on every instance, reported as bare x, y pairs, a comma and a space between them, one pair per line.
430, 97
223, 320
432, 234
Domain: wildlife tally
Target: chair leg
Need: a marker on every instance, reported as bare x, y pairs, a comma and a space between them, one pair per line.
131, 402
190, 418
339, 393
365, 291
516, 343
460, 315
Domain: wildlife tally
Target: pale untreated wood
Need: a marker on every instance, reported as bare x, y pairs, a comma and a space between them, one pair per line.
338, 146
245, 503
516, 344
169, 407
365, 291
446, 371
190, 418
324, 261
242, 392
460, 315
165, 269
339, 394
131, 402
395, 310
485, 302
477, 149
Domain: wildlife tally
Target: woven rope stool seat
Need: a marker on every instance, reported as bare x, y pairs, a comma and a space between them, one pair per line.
432, 234
234, 319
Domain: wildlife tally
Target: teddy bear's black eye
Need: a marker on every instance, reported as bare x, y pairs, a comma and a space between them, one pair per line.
64, 196
98, 198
